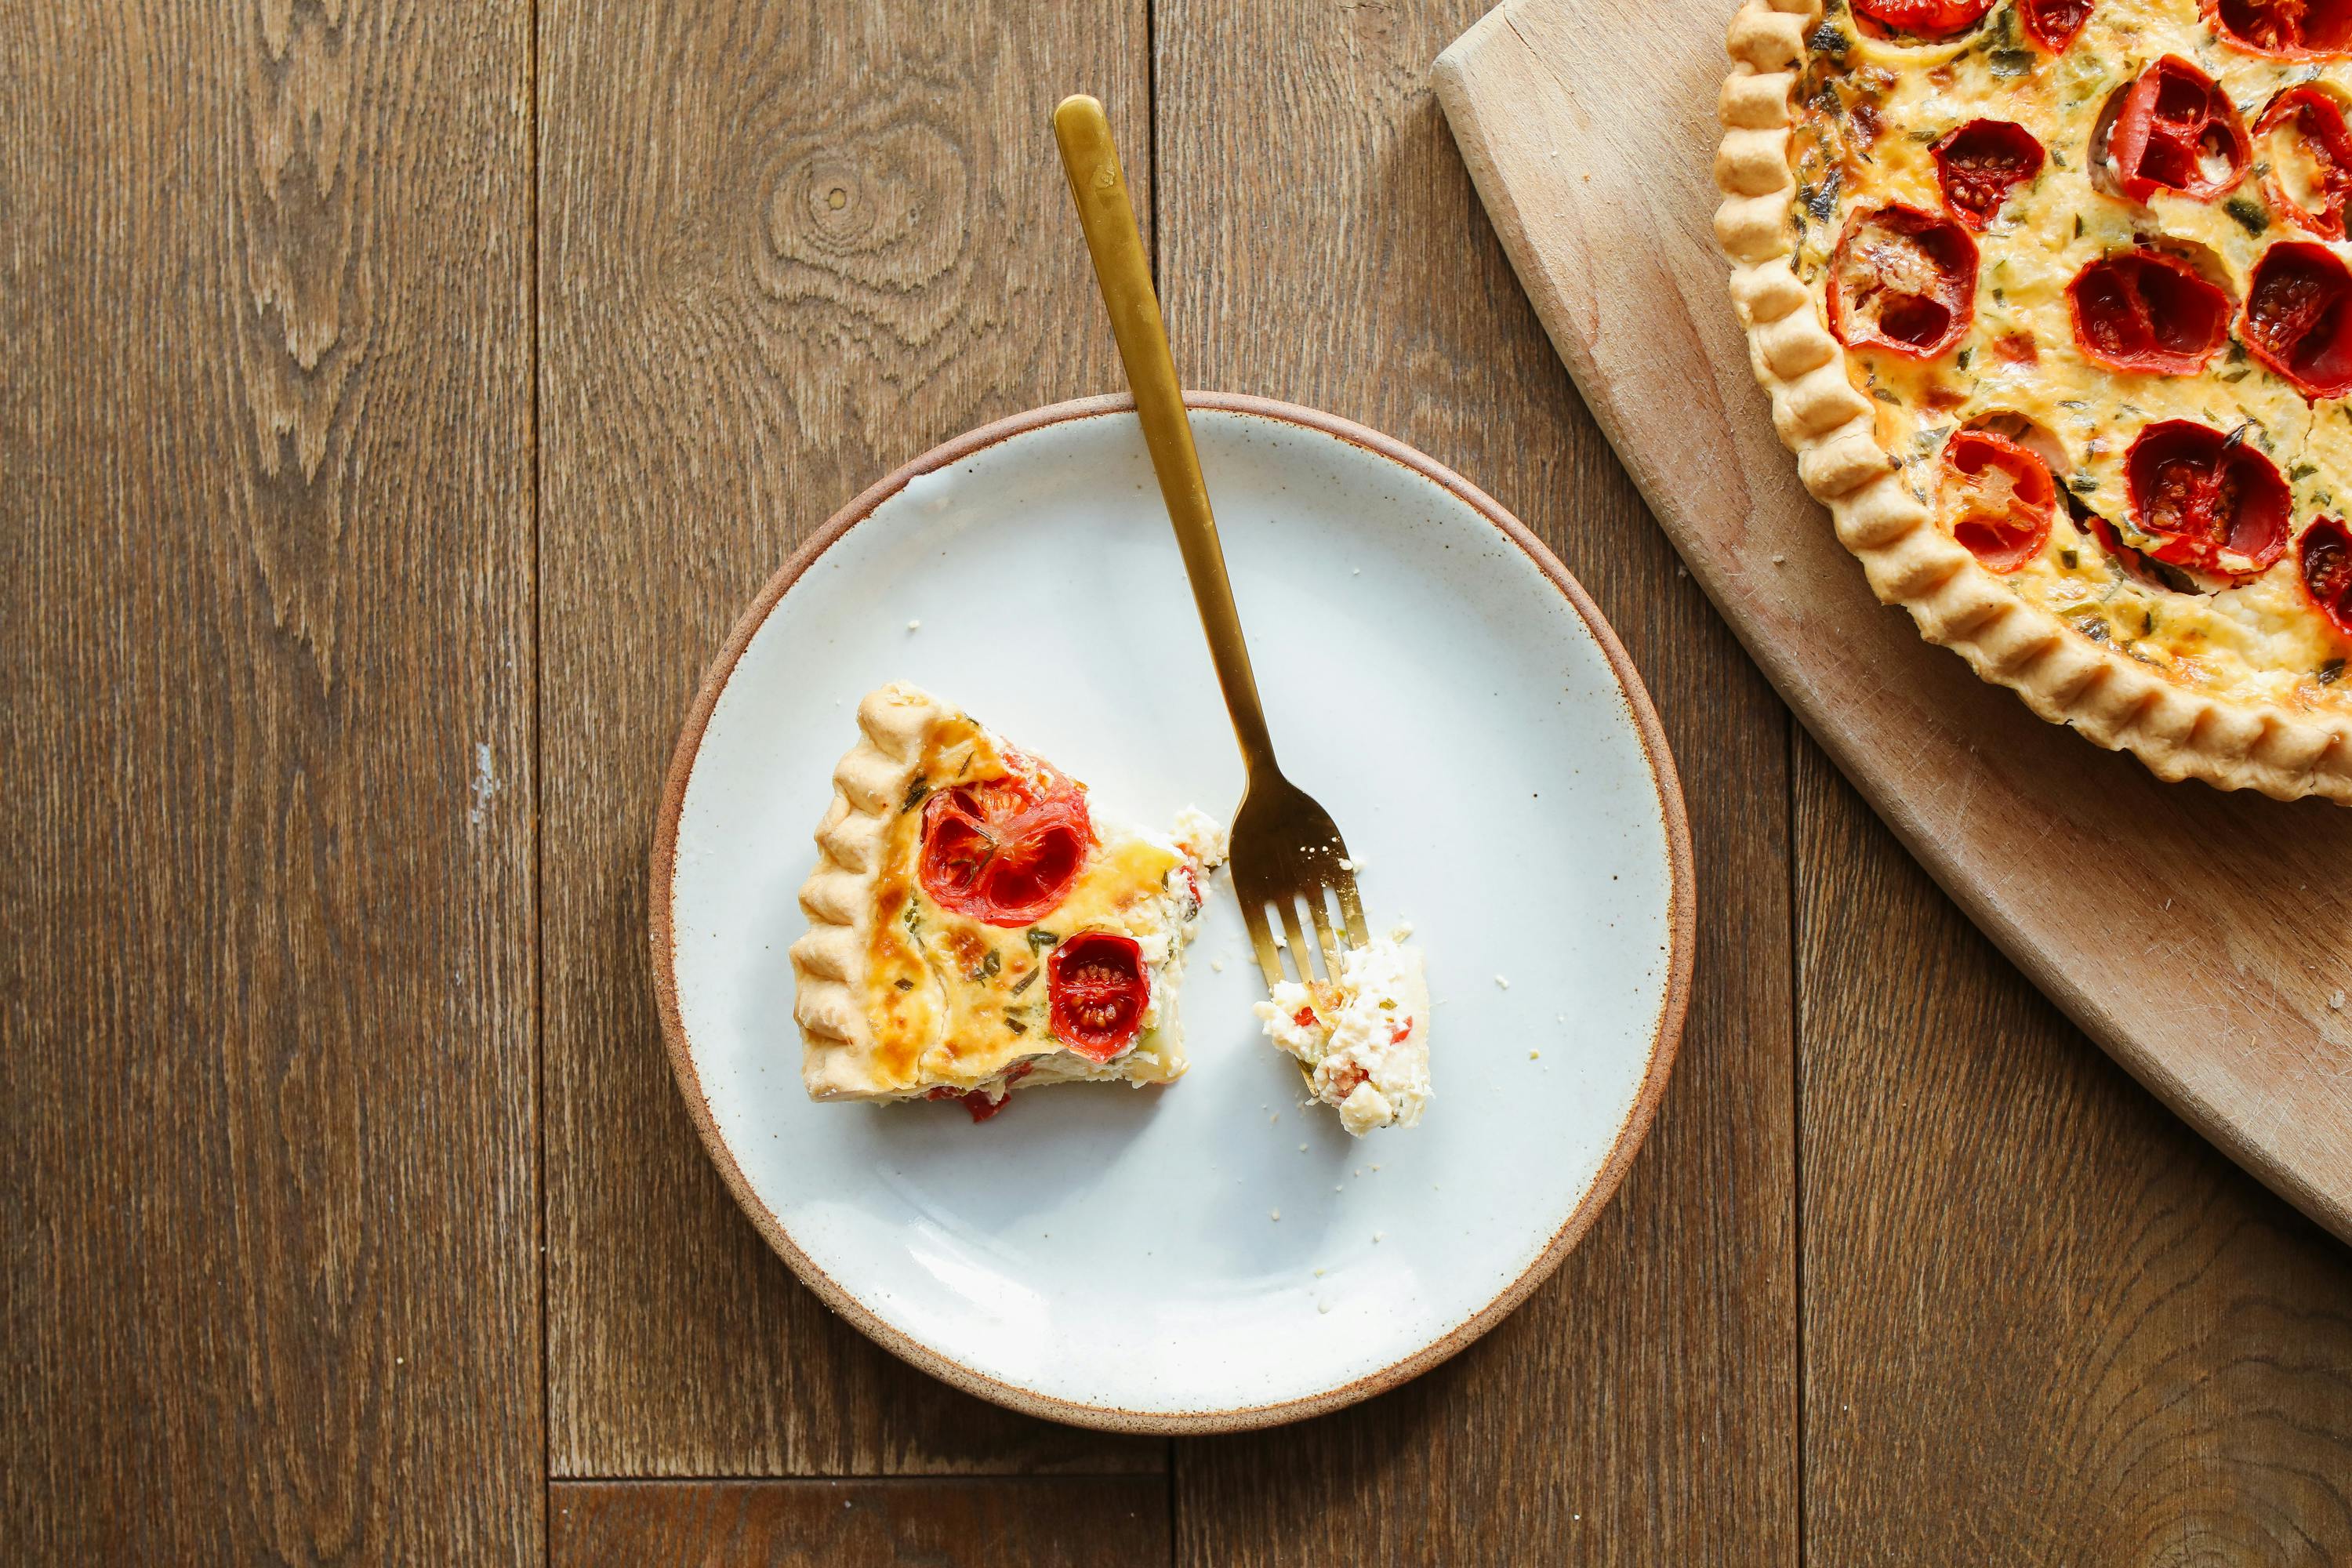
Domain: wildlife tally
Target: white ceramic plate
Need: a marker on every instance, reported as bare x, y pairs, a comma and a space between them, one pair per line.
1111, 1256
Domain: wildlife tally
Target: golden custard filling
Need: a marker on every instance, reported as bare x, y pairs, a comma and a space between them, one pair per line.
2099, 296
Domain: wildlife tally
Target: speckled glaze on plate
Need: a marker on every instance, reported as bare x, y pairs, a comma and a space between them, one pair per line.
1209, 1256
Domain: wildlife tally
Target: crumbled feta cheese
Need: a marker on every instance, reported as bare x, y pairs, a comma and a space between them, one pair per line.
914, 625
1363, 1038
1202, 837
1502, 983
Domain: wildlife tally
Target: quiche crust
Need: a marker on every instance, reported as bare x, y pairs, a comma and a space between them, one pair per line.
829, 963
1831, 426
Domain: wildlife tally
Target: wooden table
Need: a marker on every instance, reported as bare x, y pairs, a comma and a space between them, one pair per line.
398, 404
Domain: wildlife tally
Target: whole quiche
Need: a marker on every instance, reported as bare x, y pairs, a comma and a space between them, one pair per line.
2053, 301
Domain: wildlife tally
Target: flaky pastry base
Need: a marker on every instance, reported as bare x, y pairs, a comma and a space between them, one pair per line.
829, 962
2105, 695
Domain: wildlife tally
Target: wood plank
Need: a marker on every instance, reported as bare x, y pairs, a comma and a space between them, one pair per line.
1068, 1521
272, 1289
1321, 243
2229, 1008
2043, 1323
786, 248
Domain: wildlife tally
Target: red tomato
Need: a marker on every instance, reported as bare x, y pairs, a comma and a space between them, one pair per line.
1005, 851
2327, 571
2054, 24
1923, 18
1903, 279
2145, 310
2176, 130
2294, 29
977, 1101
2298, 317
2000, 497
1100, 988
2206, 500
1980, 164
2304, 126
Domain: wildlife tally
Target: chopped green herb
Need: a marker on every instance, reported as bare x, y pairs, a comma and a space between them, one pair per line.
2069, 559
904, 984
1961, 359
992, 964
2302, 470
2252, 216
2092, 627
1042, 938
915, 793
1015, 1025
2078, 225
1826, 39
1025, 982
1884, 395
2083, 484
2326, 673
2006, 63
1822, 200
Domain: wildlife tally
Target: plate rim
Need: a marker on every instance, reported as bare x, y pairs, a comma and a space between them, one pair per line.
1632, 1132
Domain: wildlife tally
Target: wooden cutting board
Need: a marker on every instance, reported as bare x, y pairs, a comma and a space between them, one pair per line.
2204, 939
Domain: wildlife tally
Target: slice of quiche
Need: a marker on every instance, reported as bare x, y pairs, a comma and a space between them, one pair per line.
975, 927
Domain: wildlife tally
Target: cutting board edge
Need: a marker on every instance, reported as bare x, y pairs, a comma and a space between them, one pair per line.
2331, 1211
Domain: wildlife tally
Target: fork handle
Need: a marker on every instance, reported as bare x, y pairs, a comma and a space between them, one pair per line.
1108, 217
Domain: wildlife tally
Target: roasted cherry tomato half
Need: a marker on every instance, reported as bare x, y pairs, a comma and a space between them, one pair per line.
2175, 130
1981, 164
2298, 317
2291, 29
2054, 24
1999, 498
1005, 851
2145, 311
977, 1102
2327, 571
1099, 989
1923, 18
1903, 279
2207, 500
2302, 138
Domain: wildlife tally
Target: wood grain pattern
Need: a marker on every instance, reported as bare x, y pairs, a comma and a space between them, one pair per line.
271, 1203
2223, 957
1077, 1521
1323, 246
2043, 1325
787, 247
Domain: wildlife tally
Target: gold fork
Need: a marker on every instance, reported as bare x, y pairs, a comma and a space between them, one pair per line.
1286, 853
